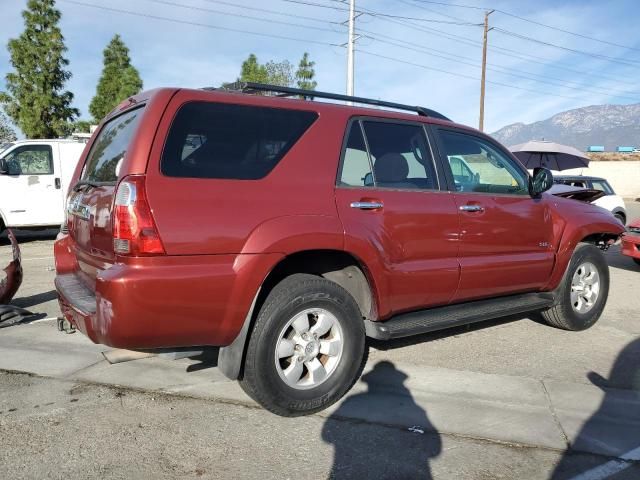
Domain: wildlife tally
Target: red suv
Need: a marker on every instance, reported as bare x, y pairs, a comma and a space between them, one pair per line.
286, 231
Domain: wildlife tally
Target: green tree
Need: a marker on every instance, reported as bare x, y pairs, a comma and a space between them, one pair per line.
119, 79
35, 99
252, 71
279, 73
306, 73
6, 132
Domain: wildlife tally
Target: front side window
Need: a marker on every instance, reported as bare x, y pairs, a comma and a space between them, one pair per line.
478, 166
30, 160
226, 141
398, 157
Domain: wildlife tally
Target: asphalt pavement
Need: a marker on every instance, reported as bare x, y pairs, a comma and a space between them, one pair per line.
508, 399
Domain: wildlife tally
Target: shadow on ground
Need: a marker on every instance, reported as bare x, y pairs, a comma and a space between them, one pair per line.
403, 452
621, 388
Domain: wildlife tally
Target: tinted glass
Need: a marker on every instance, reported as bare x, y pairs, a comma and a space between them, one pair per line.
214, 140
108, 150
401, 156
356, 169
30, 160
478, 166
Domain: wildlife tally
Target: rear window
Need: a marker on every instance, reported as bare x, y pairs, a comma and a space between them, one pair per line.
107, 152
216, 140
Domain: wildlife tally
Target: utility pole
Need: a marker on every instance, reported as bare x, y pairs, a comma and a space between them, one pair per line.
352, 20
484, 67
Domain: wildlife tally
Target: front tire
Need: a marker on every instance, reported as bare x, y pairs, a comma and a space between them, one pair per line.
583, 291
307, 347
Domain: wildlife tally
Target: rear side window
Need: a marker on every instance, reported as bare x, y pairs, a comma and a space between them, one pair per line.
107, 152
216, 140
603, 186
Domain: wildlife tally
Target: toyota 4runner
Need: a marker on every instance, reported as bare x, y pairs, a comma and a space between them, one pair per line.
286, 231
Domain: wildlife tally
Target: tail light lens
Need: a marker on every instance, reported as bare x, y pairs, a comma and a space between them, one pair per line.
134, 230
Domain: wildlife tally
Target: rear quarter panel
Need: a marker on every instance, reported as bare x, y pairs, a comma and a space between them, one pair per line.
291, 208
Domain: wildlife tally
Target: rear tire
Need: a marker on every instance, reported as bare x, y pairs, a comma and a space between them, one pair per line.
583, 291
307, 347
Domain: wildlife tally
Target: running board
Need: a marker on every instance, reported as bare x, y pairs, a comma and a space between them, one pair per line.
439, 318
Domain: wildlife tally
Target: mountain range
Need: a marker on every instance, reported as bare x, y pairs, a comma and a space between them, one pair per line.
608, 125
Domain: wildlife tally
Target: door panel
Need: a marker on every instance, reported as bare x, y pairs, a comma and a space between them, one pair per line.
505, 235
32, 193
506, 247
389, 201
416, 235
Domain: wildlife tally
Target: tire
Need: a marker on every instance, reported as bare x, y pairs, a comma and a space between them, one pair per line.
637, 260
271, 381
621, 218
579, 314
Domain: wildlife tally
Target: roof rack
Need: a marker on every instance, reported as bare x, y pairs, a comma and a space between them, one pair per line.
251, 87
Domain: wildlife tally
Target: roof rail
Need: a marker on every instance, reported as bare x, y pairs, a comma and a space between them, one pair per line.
251, 87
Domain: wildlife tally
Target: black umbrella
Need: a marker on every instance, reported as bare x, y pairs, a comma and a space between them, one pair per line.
554, 156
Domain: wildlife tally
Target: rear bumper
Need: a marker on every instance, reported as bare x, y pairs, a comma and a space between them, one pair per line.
161, 301
631, 245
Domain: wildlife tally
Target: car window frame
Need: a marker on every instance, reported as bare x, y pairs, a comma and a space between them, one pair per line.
484, 138
437, 168
20, 148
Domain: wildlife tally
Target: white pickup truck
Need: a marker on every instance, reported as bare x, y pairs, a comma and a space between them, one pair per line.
34, 178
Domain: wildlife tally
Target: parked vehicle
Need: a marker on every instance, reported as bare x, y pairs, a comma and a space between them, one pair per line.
609, 201
625, 149
208, 217
631, 241
595, 148
34, 179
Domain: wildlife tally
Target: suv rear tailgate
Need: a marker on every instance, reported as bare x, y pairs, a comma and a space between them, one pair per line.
90, 202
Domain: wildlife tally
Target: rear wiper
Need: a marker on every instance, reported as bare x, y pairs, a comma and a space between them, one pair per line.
84, 183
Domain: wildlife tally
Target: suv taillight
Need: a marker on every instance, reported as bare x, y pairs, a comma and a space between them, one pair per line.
134, 231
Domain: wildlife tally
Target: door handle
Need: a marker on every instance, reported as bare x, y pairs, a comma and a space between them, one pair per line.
471, 208
58, 184
367, 205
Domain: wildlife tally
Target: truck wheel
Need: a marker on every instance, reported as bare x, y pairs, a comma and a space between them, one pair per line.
583, 292
307, 347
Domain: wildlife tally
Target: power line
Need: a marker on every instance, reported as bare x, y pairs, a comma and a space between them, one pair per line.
631, 63
540, 24
452, 5
368, 12
462, 75
471, 62
501, 50
273, 12
580, 35
240, 15
198, 24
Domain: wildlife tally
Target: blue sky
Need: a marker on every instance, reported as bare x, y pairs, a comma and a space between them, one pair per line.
179, 54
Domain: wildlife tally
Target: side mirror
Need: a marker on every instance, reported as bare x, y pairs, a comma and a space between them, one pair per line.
4, 168
541, 181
